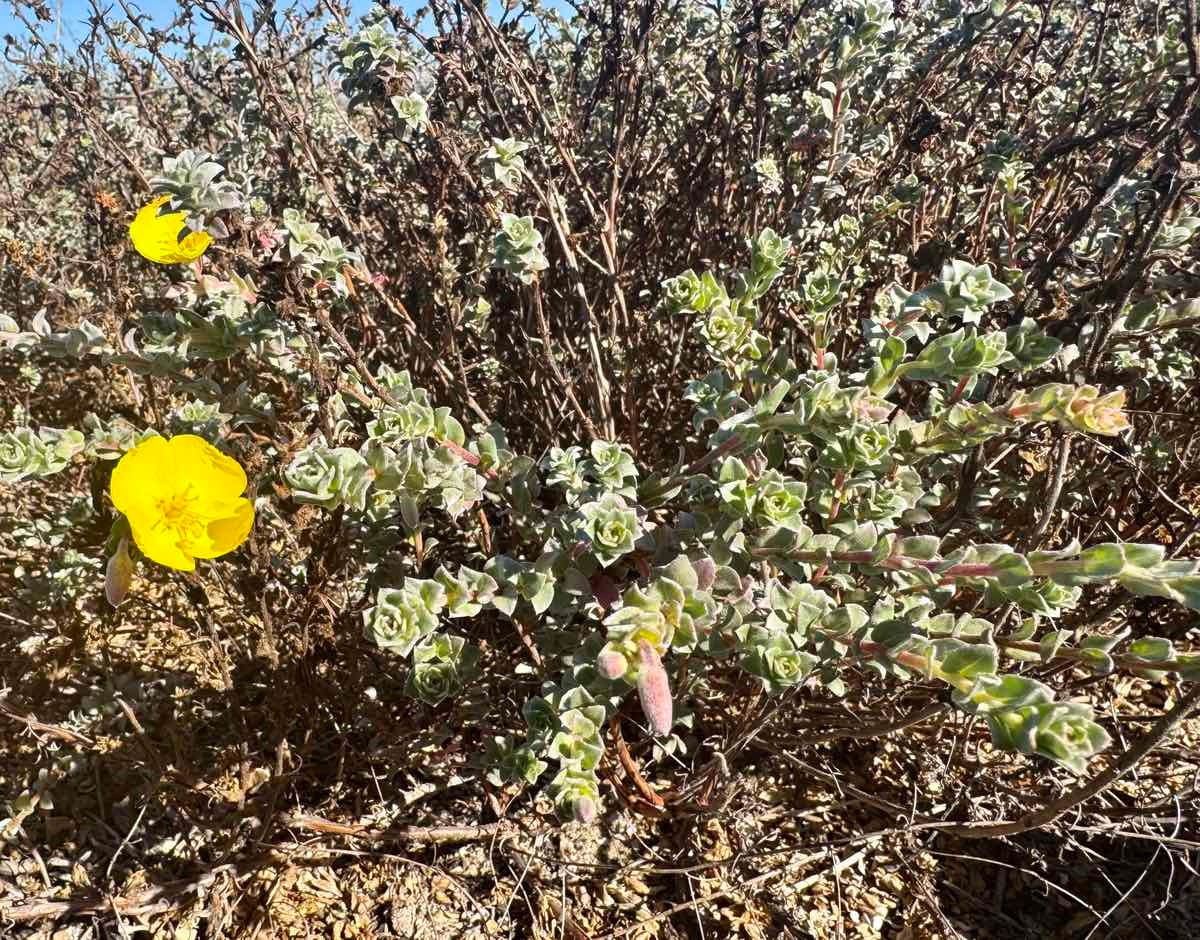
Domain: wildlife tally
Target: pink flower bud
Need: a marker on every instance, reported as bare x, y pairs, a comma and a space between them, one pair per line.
119, 574
612, 665
654, 690
706, 572
270, 238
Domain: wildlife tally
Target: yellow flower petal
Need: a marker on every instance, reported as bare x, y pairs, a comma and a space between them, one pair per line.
213, 473
182, 499
162, 545
228, 533
134, 486
156, 237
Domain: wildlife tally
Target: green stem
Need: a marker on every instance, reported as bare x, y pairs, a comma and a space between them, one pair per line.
723, 449
892, 562
1047, 568
1123, 661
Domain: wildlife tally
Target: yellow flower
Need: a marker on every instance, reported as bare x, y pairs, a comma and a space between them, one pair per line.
156, 237
183, 499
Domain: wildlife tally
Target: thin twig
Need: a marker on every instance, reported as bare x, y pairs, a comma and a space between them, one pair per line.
1052, 811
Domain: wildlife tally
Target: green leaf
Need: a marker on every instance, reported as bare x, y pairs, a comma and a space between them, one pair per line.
864, 537
1012, 570
922, 547
1103, 642
543, 598
971, 660
1051, 643
1097, 660
1025, 630
893, 634
995, 693
772, 400
1152, 649
505, 603
1186, 591
1189, 666
733, 470
1143, 556
886, 370
1103, 561
843, 621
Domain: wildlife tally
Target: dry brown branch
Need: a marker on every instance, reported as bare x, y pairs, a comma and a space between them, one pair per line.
421, 835
1187, 704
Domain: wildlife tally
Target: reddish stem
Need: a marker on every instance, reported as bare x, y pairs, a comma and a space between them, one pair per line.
894, 562
904, 658
460, 451
959, 389
721, 450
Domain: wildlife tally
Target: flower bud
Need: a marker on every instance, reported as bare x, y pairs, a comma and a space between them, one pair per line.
118, 575
706, 572
654, 690
612, 665
584, 810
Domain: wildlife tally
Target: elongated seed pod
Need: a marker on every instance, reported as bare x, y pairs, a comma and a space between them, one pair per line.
654, 690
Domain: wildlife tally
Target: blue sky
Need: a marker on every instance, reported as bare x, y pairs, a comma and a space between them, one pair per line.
75, 14
70, 17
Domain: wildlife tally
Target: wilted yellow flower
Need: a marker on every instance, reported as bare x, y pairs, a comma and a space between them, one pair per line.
1100, 414
1081, 408
183, 500
156, 237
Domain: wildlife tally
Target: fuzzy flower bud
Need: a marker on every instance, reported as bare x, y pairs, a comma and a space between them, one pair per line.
612, 665
654, 690
119, 574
